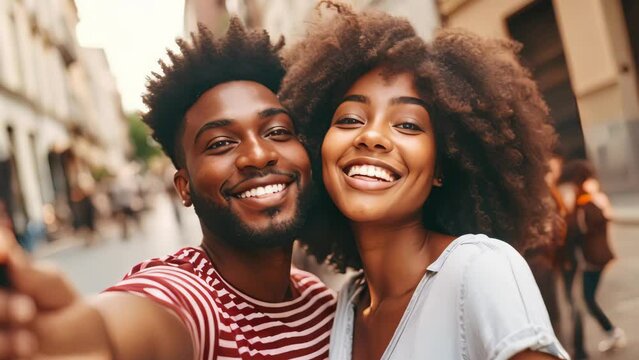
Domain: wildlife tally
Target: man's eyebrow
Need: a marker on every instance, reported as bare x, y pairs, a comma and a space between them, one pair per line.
409, 100
270, 112
356, 98
212, 125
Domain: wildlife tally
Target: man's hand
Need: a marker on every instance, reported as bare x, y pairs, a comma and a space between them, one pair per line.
41, 315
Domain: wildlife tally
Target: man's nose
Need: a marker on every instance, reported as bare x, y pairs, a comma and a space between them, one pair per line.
256, 153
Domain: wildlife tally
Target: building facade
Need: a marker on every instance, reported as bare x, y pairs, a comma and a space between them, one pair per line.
59, 112
584, 54
291, 17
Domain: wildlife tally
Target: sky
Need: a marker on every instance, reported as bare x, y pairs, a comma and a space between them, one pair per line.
134, 35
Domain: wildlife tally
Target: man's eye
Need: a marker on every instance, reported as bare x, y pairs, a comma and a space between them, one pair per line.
219, 144
280, 134
408, 126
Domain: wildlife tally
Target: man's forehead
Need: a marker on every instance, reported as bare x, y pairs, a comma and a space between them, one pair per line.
230, 90
238, 99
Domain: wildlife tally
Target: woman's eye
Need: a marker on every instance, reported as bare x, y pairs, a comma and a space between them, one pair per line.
348, 121
408, 126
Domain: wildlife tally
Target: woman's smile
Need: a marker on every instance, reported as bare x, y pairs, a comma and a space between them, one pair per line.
370, 174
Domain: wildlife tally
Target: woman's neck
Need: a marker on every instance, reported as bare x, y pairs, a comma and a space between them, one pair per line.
394, 257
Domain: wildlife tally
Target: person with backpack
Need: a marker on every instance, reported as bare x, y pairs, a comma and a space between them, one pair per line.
587, 224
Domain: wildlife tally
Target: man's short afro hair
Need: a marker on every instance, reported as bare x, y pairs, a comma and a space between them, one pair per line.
200, 65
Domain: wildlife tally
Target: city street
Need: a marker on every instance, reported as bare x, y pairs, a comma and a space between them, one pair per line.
94, 267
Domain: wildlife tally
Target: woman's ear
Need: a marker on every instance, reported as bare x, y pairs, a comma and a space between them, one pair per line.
438, 179
181, 183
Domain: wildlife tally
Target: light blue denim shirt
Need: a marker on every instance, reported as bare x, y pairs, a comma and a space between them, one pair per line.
477, 301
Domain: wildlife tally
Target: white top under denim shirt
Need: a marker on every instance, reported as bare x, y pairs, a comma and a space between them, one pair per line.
477, 301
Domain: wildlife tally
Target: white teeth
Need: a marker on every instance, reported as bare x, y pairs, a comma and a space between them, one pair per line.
262, 190
371, 171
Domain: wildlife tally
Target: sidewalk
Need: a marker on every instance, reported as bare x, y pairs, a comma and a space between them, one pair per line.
95, 266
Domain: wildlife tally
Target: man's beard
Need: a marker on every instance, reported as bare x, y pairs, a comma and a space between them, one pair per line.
229, 228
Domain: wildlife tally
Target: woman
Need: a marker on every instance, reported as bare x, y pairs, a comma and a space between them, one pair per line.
419, 147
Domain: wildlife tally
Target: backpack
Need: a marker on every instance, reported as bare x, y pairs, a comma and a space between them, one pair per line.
592, 234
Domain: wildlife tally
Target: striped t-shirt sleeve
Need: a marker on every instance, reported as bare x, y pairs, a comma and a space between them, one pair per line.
182, 292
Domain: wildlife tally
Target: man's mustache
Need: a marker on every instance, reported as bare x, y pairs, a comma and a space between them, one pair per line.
258, 173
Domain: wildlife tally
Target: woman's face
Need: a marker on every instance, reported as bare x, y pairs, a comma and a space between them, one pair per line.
378, 156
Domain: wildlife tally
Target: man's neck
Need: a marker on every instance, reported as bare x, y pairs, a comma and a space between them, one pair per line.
263, 274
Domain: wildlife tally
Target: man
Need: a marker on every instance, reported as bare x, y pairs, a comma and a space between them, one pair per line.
240, 164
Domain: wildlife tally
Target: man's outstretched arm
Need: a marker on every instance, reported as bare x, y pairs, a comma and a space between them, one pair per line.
43, 317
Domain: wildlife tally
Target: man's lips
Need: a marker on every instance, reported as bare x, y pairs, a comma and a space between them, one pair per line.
261, 186
266, 200
261, 193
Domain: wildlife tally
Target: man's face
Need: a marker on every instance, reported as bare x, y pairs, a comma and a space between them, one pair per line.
245, 171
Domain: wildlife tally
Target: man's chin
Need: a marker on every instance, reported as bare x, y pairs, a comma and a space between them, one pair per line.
266, 219
239, 227
264, 231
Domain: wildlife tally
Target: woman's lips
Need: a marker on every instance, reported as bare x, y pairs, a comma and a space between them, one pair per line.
365, 183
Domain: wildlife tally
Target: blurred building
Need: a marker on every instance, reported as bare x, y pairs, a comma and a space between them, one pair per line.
60, 114
291, 17
584, 54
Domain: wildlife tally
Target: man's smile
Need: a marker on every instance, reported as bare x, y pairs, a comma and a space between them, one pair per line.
262, 192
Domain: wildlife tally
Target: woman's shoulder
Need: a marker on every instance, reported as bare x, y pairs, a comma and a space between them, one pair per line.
482, 267
473, 250
501, 308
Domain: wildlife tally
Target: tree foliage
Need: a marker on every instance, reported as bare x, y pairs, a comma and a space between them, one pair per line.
144, 147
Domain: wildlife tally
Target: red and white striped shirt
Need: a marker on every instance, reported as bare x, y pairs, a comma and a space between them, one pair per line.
227, 324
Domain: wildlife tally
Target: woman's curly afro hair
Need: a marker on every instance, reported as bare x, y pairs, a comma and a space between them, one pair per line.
492, 127
201, 64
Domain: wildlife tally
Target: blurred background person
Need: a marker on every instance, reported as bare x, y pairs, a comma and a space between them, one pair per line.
5, 219
589, 242
543, 258
127, 200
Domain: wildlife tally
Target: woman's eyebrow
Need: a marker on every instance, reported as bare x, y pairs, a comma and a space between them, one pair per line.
409, 100
356, 98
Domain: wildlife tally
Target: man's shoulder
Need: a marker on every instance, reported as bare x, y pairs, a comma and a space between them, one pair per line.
188, 259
